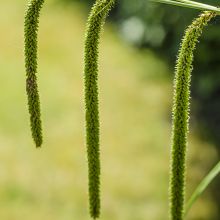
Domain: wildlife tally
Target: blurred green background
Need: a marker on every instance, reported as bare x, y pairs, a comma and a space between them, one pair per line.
135, 110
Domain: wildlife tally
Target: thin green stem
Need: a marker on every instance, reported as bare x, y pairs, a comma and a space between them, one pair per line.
189, 4
30, 34
181, 104
208, 7
95, 23
202, 186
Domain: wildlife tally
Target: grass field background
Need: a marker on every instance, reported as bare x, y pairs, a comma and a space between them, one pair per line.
135, 102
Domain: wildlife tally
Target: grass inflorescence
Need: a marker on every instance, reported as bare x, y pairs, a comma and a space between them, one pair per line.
181, 114
31, 30
95, 23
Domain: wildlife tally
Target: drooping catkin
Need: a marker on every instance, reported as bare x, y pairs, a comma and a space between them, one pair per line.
30, 34
181, 114
95, 23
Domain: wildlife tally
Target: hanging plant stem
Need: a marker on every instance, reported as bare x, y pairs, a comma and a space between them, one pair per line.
95, 23
181, 114
30, 34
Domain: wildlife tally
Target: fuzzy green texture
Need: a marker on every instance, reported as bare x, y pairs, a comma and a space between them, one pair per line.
181, 114
30, 34
95, 23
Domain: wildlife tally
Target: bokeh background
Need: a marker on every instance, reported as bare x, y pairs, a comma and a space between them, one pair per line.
137, 60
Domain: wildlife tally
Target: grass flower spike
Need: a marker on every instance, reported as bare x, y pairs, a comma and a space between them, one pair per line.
31, 29
95, 23
181, 114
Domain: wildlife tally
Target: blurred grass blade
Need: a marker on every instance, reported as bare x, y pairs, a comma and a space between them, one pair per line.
189, 4
210, 7
202, 186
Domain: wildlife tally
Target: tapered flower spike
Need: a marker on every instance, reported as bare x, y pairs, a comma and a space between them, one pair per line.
95, 23
30, 34
181, 114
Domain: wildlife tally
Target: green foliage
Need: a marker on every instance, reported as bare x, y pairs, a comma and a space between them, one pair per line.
181, 114
95, 22
202, 186
31, 29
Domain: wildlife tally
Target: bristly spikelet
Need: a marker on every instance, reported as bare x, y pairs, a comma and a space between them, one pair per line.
30, 34
95, 23
181, 114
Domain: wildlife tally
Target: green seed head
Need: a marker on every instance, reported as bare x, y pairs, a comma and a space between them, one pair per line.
181, 114
95, 23
30, 34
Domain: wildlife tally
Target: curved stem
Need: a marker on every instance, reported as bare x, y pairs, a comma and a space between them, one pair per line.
30, 34
181, 114
189, 4
95, 23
